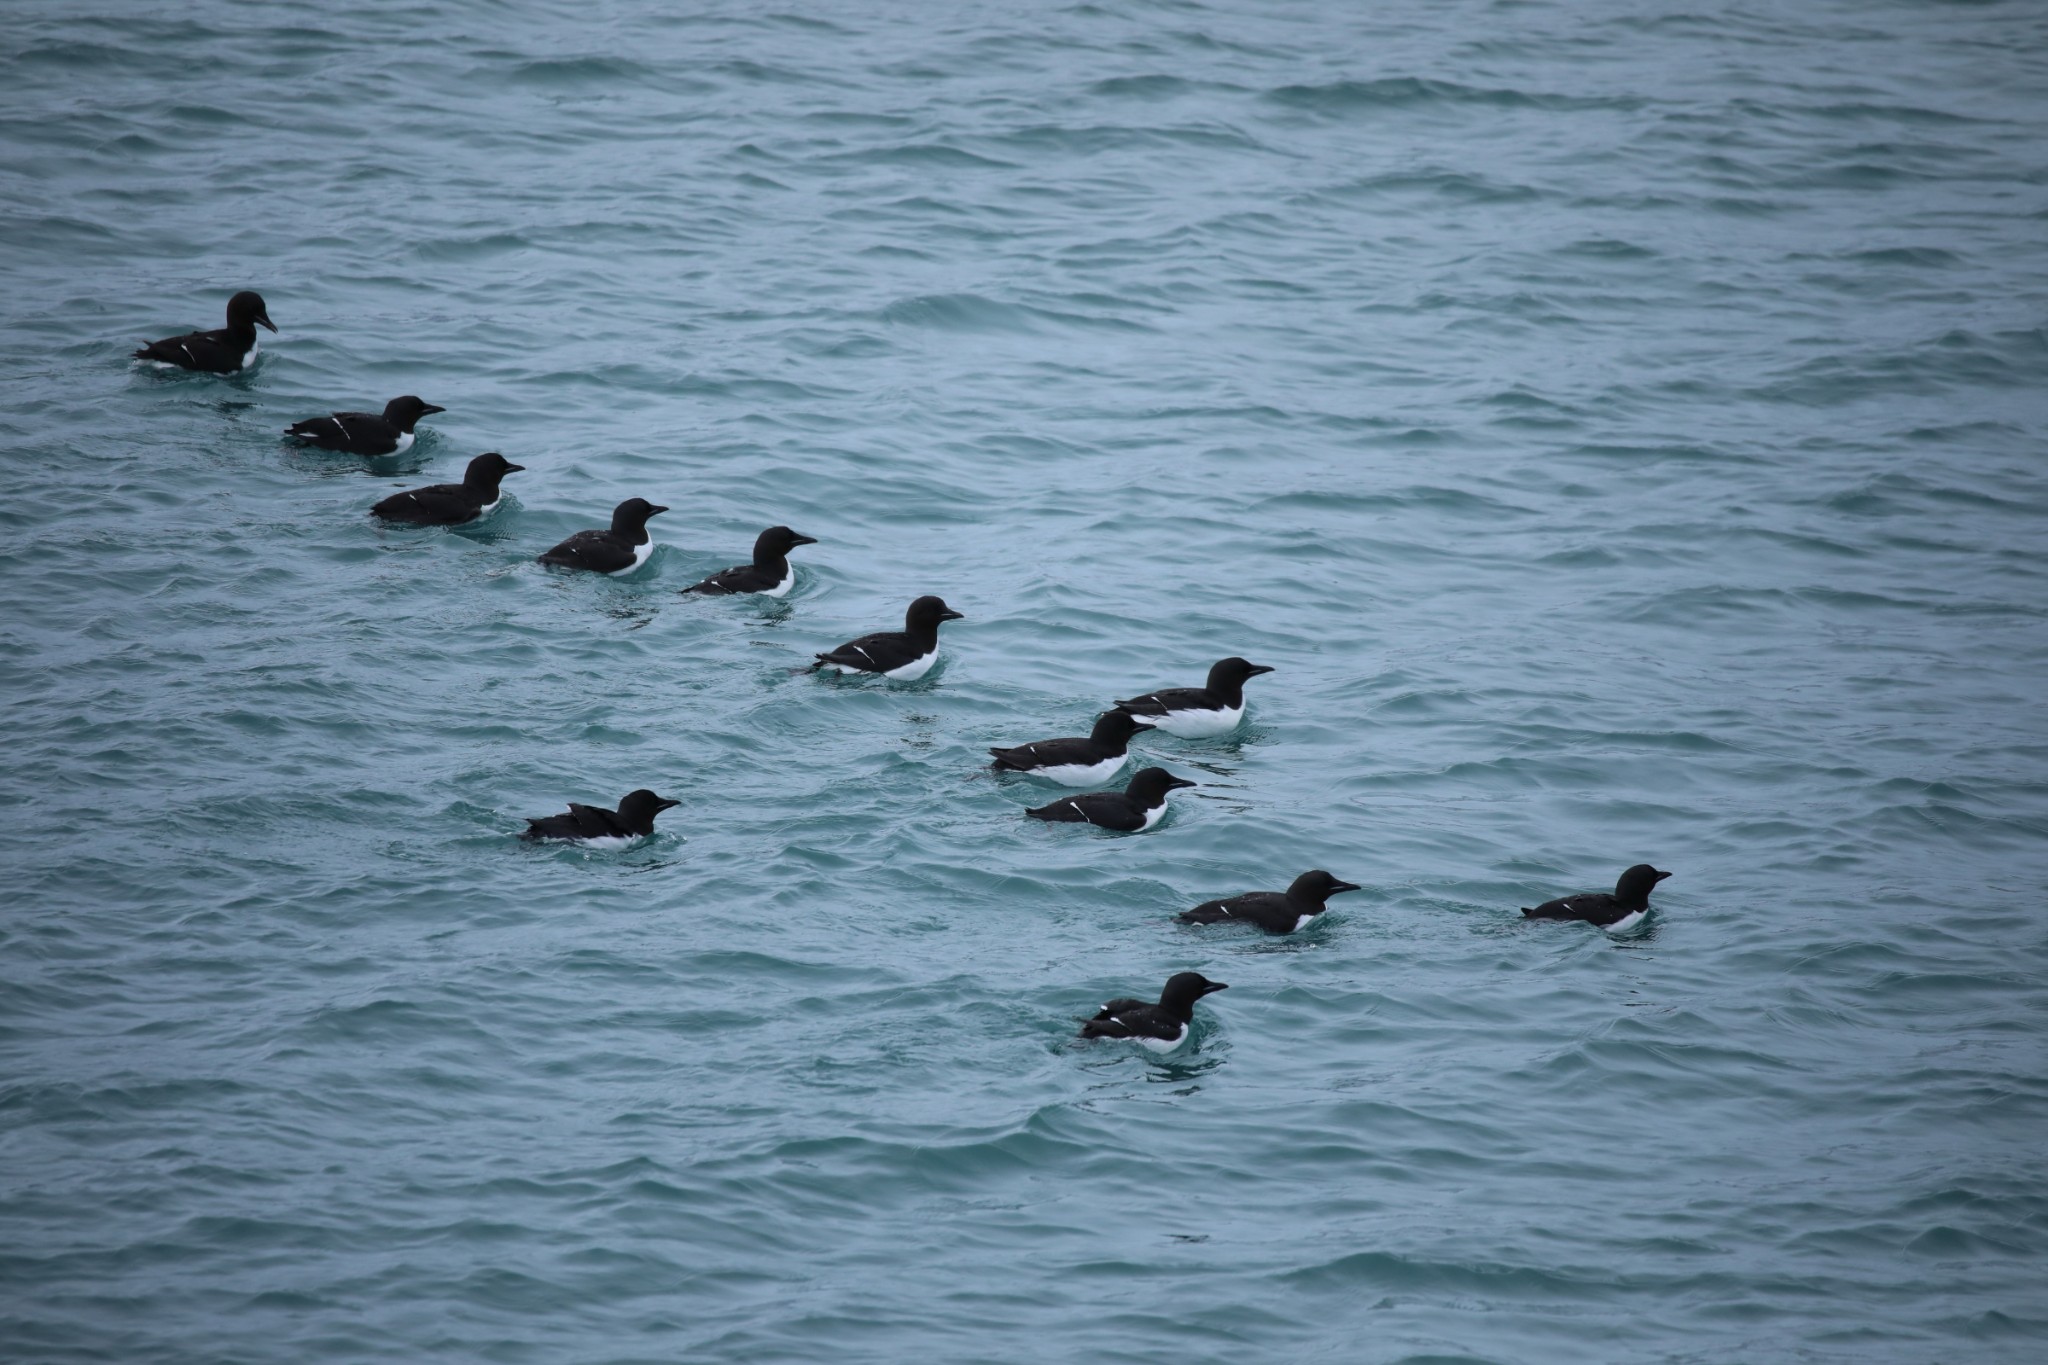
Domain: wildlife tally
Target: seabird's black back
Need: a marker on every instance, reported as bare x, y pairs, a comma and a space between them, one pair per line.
1136, 807
768, 573
1276, 912
617, 548
897, 652
1631, 897
224, 350
634, 819
450, 504
1109, 739
1163, 1024
365, 433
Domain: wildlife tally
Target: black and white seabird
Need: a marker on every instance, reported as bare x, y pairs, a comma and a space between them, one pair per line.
1136, 807
622, 549
769, 574
1617, 913
225, 351
1277, 912
1161, 1027
451, 504
1199, 712
366, 433
1075, 762
601, 828
905, 654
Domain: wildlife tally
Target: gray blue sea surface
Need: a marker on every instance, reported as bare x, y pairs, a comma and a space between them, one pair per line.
1619, 423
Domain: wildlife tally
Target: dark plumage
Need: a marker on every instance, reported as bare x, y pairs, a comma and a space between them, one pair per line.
1630, 901
1163, 1026
223, 351
769, 573
1138, 806
1194, 712
365, 433
451, 504
1277, 912
625, 546
903, 654
634, 819
1075, 762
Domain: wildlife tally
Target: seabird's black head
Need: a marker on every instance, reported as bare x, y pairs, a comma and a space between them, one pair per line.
776, 542
926, 613
486, 469
1183, 989
1150, 786
404, 411
1231, 672
629, 518
246, 310
1313, 888
638, 810
1115, 726
1636, 883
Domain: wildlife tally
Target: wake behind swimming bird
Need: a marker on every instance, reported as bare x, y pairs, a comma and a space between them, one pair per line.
389, 432
904, 655
225, 350
1075, 762
770, 574
621, 548
451, 504
1137, 807
1215, 708
596, 827
1161, 1027
1618, 913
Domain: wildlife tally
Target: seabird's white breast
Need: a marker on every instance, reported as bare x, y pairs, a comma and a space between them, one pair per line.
1167, 1044
1080, 774
1192, 724
915, 669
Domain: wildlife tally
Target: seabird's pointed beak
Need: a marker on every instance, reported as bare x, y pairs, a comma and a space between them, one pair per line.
950, 615
263, 320
512, 468
795, 539
1662, 875
1180, 782
666, 804
1215, 986
1260, 668
426, 408
1335, 887
656, 510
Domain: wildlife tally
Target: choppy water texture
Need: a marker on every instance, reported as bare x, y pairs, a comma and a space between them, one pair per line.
1621, 426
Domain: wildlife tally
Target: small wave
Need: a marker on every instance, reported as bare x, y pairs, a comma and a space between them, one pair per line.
1404, 92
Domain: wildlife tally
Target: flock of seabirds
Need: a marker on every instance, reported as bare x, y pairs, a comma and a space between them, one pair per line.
1215, 708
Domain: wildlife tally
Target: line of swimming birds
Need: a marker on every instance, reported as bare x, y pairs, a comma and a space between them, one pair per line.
1215, 708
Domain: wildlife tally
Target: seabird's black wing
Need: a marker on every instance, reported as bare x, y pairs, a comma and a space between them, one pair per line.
1112, 1008
598, 823
444, 504
876, 653
1170, 699
1594, 906
1226, 908
1138, 1021
1110, 810
211, 351
1047, 753
597, 550
739, 578
353, 433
